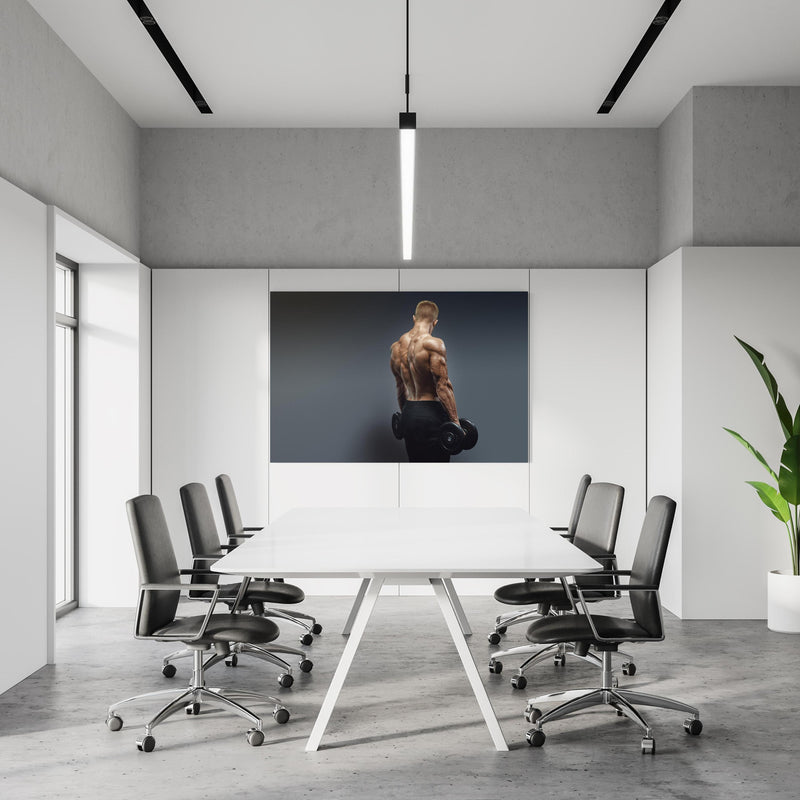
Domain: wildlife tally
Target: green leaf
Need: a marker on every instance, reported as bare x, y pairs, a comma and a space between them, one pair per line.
796, 426
784, 417
772, 500
755, 452
789, 475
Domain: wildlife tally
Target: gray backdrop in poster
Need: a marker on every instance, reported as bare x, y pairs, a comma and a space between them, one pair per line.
332, 391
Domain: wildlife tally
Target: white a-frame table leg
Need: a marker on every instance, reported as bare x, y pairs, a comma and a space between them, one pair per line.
351, 617
370, 595
455, 601
454, 626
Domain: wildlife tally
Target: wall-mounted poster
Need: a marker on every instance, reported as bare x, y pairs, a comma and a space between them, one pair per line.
399, 376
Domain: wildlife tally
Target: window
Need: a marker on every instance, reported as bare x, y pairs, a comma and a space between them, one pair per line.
66, 595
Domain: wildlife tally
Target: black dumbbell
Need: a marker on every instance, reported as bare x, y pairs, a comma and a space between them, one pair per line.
455, 438
470, 434
397, 425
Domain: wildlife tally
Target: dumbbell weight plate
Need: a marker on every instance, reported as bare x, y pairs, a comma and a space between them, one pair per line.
471, 434
451, 438
397, 425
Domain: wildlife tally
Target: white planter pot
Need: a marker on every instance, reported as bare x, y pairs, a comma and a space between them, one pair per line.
783, 601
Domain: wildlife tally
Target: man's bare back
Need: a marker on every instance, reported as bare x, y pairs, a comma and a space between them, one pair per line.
419, 363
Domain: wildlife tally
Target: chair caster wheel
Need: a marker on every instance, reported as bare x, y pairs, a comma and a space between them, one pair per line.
193, 709
692, 726
281, 715
255, 738
306, 639
285, 680
494, 637
114, 722
532, 713
502, 629
169, 670
232, 661
535, 737
316, 628
495, 667
629, 668
146, 744
306, 665
560, 660
519, 681
614, 682
649, 745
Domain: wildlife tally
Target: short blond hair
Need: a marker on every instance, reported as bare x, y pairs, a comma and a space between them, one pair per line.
427, 309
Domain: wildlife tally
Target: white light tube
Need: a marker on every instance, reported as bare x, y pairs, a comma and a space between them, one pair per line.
407, 147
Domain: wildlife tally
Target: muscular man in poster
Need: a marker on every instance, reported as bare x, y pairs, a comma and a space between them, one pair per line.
424, 392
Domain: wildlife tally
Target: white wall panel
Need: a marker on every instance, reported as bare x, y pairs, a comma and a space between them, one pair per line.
588, 391
464, 486
112, 351
331, 486
333, 280
464, 280
210, 388
729, 538
25, 484
665, 409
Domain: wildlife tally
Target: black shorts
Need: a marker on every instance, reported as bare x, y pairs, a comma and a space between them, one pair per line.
421, 422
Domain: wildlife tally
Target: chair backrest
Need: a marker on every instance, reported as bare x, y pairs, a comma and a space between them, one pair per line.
155, 557
583, 485
202, 529
229, 506
648, 562
598, 523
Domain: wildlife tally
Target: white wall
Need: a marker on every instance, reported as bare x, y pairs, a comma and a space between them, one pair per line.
702, 297
210, 389
25, 326
586, 372
665, 409
588, 391
113, 425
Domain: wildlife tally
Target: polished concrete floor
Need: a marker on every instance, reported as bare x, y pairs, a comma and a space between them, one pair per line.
407, 725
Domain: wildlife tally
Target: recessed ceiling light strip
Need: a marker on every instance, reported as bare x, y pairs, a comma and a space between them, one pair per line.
157, 35
651, 34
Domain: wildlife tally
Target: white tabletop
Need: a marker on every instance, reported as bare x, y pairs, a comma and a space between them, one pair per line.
406, 542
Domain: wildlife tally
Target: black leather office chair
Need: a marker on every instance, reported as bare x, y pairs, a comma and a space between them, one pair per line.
206, 549
160, 589
515, 594
595, 534
237, 533
606, 633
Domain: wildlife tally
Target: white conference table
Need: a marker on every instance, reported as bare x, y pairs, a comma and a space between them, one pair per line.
406, 546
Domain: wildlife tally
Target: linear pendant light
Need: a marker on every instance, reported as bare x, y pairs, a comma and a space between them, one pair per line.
408, 130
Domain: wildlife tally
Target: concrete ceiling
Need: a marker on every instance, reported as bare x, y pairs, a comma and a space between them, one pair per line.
495, 64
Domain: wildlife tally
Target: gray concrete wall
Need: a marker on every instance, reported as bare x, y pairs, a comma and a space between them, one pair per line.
675, 178
330, 198
746, 166
63, 138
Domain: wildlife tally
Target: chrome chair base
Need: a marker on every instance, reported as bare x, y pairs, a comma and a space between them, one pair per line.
624, 701
193, 698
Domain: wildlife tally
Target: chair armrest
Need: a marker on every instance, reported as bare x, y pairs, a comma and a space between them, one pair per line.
196, 571
177, 587
624, 588
254, 529
207, 557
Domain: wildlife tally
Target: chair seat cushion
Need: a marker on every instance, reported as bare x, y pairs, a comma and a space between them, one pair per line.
576, 628
531, 593
266, 592
224, 628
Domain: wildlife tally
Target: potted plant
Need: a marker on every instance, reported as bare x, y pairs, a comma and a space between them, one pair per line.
782, 499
